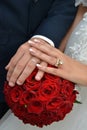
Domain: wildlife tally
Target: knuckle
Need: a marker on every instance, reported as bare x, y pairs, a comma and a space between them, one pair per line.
9, 73
23, 47
51, 59
19, 66
12, 62
54, 71
30, 66
25, 75
14, 76
12, 80
35, 60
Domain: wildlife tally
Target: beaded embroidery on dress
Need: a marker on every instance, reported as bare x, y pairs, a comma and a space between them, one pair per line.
77, 49
77, 44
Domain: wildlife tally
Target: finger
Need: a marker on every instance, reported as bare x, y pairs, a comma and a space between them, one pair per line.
7, 66
16, 57
31, 65
11, 65
46, 69
44, 47
44, 57
40, 73
13, 76
51, 70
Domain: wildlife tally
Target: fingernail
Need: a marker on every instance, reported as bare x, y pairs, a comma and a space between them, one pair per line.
19, 83
30, 42
37, 41
37, 78
31, 50
11, 84
38, 65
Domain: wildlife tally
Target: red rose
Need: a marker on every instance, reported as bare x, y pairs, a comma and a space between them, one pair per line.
52, 77
48, 90
67, 88
66, 107
26, 97
31, 83
19, 111
55, 103
15, 94
41, 102
35, 106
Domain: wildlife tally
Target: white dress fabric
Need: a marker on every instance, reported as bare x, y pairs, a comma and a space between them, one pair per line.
77, 118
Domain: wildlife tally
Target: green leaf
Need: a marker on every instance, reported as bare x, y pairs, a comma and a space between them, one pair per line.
78, 102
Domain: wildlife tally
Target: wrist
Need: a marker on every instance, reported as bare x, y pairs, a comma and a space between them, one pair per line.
80, 73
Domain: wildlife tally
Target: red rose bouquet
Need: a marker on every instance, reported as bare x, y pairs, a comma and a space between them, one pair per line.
41, 102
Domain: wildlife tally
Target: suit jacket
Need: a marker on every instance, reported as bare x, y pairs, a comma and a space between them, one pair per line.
21, 19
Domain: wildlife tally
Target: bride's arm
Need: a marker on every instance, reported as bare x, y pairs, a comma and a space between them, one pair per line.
71, 69
81, 10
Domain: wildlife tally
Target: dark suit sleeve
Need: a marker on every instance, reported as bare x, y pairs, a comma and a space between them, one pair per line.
58, 20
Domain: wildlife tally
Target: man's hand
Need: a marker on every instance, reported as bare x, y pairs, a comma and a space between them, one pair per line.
21, 66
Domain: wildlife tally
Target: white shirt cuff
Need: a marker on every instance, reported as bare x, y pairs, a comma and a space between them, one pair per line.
45, 39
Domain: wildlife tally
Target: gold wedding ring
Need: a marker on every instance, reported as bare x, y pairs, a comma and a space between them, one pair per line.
58, 63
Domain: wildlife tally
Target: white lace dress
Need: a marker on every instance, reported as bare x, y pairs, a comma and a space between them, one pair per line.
77, 119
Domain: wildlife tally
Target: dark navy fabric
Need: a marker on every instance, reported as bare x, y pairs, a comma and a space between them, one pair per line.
21, 19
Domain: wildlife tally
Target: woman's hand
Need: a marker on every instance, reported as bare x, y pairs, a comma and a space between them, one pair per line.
22, 64
70, 69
